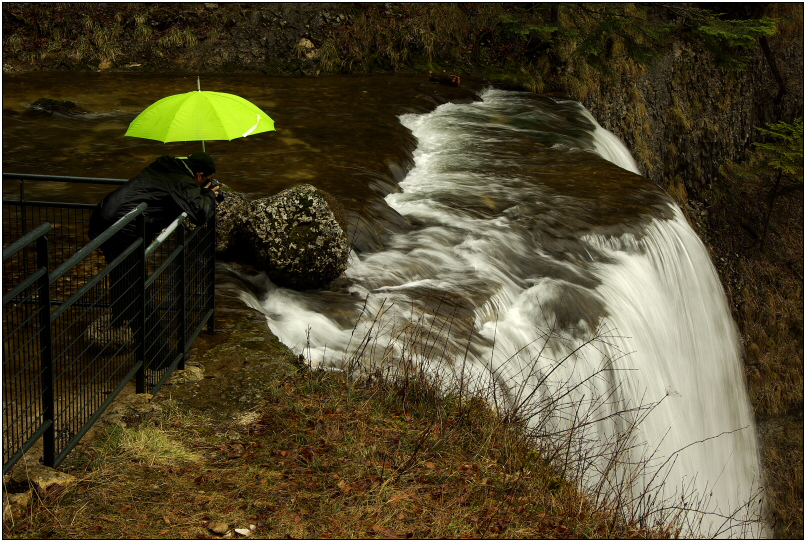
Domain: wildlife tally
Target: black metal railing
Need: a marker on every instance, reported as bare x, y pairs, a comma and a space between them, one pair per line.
68, 350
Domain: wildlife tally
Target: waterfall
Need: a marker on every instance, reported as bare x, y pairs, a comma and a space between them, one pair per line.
567, 275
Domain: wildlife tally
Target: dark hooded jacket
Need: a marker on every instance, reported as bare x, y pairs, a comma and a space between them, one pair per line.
167, 186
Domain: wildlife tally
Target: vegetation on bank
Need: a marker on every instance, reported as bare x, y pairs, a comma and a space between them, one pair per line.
538, 46
754, 220
329, 456
755, 231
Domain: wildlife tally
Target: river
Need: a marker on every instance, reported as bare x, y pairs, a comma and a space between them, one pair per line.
503, 242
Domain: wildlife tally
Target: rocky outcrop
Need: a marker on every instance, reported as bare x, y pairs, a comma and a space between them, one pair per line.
685, 116
297, 236
27, 477
49, 106
230, 215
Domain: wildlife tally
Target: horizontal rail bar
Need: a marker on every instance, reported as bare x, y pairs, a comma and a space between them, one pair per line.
30, 279
36, 203
193, 233
195, 334
97, 242
27, 446
93, 281
164, 235
168, 261
61, 178
97, 414
26, 240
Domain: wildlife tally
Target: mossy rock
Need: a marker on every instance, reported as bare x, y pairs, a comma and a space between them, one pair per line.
62, 107
297, 238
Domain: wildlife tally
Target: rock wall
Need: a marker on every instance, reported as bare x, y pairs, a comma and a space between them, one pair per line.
198, 37
683, 118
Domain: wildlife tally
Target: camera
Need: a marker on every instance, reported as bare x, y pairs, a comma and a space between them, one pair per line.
220, 196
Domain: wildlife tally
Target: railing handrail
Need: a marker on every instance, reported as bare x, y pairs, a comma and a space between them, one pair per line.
165, 288
165, 234
26, 240
61, 178
98, 241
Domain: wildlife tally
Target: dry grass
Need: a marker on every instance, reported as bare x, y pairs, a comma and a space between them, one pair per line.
393, 454
327, 458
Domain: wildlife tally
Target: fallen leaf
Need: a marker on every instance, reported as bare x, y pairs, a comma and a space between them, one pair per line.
166, 519
430, 465
344, 486
307, 453
382, 530
242, 532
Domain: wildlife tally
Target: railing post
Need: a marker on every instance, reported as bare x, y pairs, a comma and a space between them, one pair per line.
210, 264
22, 208
24, 216
183, 287
140, 293
46, 348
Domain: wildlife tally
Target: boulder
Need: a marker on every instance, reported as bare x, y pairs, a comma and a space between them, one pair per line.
297, 237
62, 107
230, 231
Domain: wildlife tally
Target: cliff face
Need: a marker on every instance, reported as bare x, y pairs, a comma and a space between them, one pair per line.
685, 117
202, 37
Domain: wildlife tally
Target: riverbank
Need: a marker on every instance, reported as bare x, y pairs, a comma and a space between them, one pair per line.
249, 442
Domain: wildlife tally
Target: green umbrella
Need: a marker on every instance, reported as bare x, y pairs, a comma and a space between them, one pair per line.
200, 116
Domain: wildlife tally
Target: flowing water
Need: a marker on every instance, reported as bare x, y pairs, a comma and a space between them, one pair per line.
521, 254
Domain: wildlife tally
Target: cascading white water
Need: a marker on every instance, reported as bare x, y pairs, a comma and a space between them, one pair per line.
574, 275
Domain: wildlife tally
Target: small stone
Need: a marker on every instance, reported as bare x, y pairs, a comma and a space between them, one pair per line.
191, 373
16, 503
242, 532
43, 479
218, 527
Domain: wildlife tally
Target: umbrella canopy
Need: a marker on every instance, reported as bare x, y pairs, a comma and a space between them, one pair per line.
199, 116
